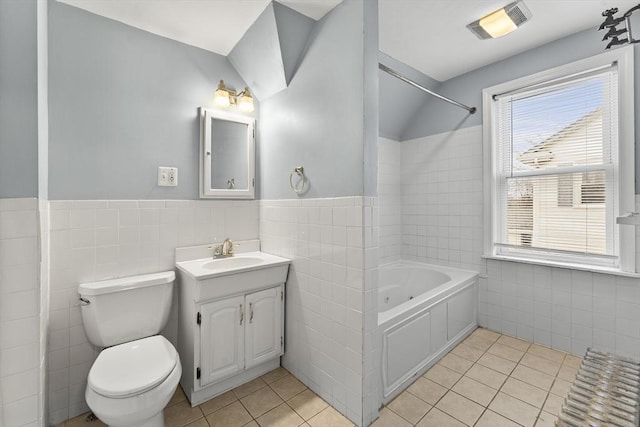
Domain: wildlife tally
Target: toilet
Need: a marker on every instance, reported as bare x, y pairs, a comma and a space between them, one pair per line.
135, 376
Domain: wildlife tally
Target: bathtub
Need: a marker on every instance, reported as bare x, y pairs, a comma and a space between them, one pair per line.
424, 310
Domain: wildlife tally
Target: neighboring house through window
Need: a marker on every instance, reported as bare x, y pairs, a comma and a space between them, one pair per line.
559, 159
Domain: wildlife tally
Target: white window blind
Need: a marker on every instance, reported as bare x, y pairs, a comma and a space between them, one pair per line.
556, 162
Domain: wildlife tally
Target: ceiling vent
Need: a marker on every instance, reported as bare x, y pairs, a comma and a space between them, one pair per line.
501, 22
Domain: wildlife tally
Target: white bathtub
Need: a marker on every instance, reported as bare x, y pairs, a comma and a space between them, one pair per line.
424, 310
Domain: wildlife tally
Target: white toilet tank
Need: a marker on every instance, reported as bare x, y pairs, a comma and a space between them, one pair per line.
126, 309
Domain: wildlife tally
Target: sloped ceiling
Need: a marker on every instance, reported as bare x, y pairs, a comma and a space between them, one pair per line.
428, 35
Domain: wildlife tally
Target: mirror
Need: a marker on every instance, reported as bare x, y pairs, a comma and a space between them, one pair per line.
227, 155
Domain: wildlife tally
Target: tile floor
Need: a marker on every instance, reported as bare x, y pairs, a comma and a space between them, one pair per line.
488, 380
276, 399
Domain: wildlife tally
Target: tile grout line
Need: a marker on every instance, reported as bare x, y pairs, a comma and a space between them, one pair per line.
509, 375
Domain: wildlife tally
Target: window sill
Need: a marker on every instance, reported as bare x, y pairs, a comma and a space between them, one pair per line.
571, 266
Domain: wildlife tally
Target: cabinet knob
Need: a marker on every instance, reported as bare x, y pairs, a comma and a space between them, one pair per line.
241, 314
251, 312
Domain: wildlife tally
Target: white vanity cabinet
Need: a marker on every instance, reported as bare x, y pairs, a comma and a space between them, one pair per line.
239, 333
231, 321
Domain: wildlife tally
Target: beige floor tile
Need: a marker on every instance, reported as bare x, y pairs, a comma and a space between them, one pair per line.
388, 418
541, 364
427, 390
514, 343
287, 387
553, 404
525, 392
307, 404
329, 417
178, 396
181, 414
573, 361
274, 375
497, 363
560, 387
233, 415
486, 334
248, 388
547, 353
491, 419
506, 352
478, 342
409, 407
455, 363
202, 422
442, 375
474, 390
486, 376
533, 377
218, 402
567, 373
460, 408
514, 409
261, 401
467, 352
81, 421
546, 419
437, 418
252, 423
281, 416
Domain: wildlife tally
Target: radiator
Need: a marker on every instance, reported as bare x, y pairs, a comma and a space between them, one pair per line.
605, 392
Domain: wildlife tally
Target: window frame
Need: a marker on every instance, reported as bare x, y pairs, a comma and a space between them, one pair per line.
624, 198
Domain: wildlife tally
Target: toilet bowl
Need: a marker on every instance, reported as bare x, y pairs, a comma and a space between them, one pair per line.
135, 376
130, 384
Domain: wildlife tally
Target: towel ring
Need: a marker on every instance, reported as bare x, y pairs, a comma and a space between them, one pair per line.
299, 188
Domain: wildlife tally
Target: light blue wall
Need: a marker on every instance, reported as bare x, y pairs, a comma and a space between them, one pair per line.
18, 99
400, 102
436, 116
123, 102
318, 121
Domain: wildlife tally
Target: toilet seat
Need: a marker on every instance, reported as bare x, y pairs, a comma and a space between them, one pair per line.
132, 368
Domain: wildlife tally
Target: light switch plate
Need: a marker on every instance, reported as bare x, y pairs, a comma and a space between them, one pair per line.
167, 176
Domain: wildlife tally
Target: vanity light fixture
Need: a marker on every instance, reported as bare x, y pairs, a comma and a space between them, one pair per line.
224, 97
501, 22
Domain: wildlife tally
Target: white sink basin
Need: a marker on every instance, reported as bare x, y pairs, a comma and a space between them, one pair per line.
233, 262
208, 267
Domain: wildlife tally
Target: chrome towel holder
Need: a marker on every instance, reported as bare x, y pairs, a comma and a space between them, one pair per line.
298, 188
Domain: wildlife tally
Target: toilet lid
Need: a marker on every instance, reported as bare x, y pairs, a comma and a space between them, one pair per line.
133, 367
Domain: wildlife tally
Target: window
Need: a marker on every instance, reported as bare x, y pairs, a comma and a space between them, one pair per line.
559, 148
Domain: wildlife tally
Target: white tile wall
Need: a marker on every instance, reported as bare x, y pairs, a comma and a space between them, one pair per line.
442, 223
390, 186
442, 199
330, 322
103, 239
19, 312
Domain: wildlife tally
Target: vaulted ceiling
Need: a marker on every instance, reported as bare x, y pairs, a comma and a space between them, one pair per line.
429, 35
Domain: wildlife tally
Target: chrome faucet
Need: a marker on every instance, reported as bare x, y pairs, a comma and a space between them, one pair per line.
225, 249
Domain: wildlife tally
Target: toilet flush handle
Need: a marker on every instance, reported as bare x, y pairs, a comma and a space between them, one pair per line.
84, 301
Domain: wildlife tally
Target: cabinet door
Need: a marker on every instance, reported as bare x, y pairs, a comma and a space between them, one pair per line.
263, 332
221, 339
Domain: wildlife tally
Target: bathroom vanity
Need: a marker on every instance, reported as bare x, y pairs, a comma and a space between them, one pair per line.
231, 322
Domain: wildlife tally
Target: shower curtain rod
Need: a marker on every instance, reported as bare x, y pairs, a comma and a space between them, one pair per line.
397, 75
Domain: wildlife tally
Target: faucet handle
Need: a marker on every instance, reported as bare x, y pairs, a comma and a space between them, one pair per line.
217, 250
231, 246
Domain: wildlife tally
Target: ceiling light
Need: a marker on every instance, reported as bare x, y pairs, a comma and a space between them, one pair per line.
501, 22
224, 97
